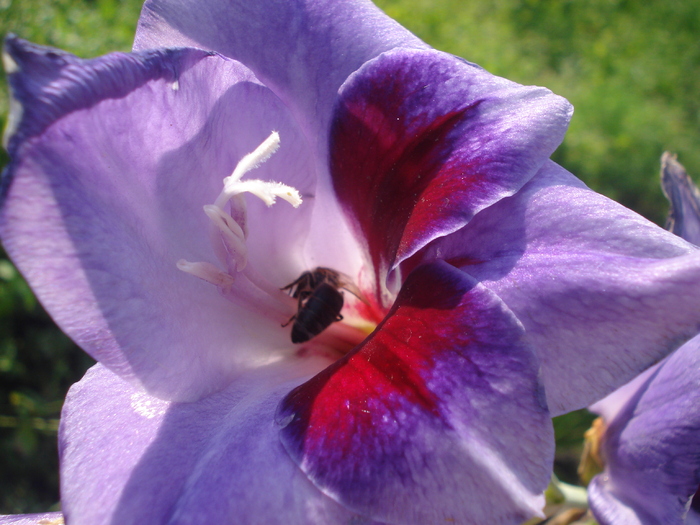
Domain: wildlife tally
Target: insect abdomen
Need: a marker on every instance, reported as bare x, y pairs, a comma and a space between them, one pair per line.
318, 312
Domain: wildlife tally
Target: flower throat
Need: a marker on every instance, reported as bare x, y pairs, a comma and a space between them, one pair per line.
312, 302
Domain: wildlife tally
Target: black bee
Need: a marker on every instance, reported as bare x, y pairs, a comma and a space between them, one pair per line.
319, 300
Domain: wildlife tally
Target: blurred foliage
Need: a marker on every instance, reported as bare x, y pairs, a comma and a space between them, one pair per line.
630, 67
569, 430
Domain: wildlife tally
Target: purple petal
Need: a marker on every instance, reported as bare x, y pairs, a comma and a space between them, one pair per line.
684, 197
602, 292
652, 448
422, 141
613, 403
304, 50
217, 460
113, 159
436, 417
47, 518
693, 517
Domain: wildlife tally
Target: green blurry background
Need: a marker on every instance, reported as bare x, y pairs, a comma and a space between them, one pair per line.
630, 67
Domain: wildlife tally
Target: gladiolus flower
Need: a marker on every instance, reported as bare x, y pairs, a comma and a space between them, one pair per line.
484, 287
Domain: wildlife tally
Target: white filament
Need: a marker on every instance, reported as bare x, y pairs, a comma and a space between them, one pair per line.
231, 234
207, 272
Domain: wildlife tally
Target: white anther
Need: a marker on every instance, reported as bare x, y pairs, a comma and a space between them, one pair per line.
214, 211
207, 272
255, 158
231, 235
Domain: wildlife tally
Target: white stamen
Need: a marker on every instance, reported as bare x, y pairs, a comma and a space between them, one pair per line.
255, 158
228, 230
207, 272
231, 235
212, 210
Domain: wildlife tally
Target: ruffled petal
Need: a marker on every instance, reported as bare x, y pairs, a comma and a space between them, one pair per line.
684, 197
303, 50
112, 162
217, 460
602, 292
652, 448
437, 417
48, 518
422, 141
